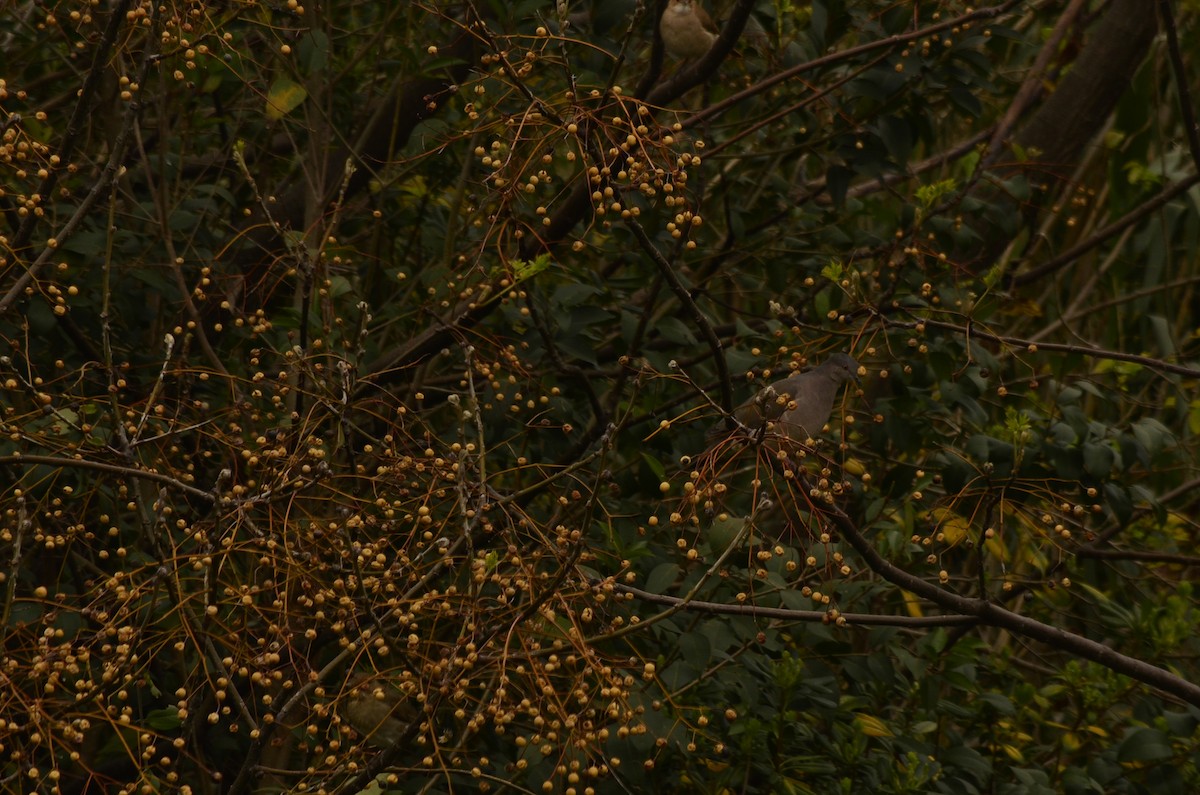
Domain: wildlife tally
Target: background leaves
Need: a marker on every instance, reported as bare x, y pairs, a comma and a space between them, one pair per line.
379, 344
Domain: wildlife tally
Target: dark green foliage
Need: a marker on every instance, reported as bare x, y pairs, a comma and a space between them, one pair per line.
379, 345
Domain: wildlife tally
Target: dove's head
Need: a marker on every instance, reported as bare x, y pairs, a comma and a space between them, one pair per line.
841, 367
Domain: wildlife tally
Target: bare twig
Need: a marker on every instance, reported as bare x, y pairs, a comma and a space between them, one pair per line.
784, 614
1138, 555
112, 469
1030, 345
681, 603
706, 329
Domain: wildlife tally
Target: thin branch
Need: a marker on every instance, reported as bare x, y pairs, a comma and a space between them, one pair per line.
1130, 554
680, 603
109, 173
478, 26
1116, 227
1126, 297
833, 58
1091, 549
112, 469
1098, 353
542, 485
578, 202
1190, 129
685, 298
784, 614
160, 204
79, 117
789, 110
245, 776
812, 189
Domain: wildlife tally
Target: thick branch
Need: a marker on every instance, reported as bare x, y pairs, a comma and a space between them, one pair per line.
1087, 94
995, 615
1059, 131
688, 78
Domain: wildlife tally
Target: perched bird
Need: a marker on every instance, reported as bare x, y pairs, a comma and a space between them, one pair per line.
687, 30
377, 710
797, 406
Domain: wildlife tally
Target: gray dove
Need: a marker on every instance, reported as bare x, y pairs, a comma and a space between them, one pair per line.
799, 405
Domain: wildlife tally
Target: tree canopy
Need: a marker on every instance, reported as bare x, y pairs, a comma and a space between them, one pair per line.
368, 374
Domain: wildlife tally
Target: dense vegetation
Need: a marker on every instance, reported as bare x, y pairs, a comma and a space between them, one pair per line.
360, 361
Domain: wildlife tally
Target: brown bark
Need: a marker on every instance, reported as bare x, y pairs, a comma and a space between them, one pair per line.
1087, 94
1059, 131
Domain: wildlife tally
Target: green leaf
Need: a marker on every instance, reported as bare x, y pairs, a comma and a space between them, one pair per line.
1152, 435
1181, 724
923, 727
655, 466
24, 612
834, 270
929, 195
967, 759
283, 97
1163, 336
314, 51
166, 719
569, 295
527, 269
1098, 459
837, 182
676, 331
723, 531
1145, 745
662, 578
695, 648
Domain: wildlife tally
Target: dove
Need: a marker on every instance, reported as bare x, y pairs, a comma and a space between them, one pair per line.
798, 406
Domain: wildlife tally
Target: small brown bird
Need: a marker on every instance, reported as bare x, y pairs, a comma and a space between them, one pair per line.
797, 406
377, 710
687, 30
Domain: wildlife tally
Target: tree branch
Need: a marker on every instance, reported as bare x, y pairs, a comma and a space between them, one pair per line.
784, 614
1190, 129
833, 58
112, 469
994, 615
1098, 353
1130, 218
710, 336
